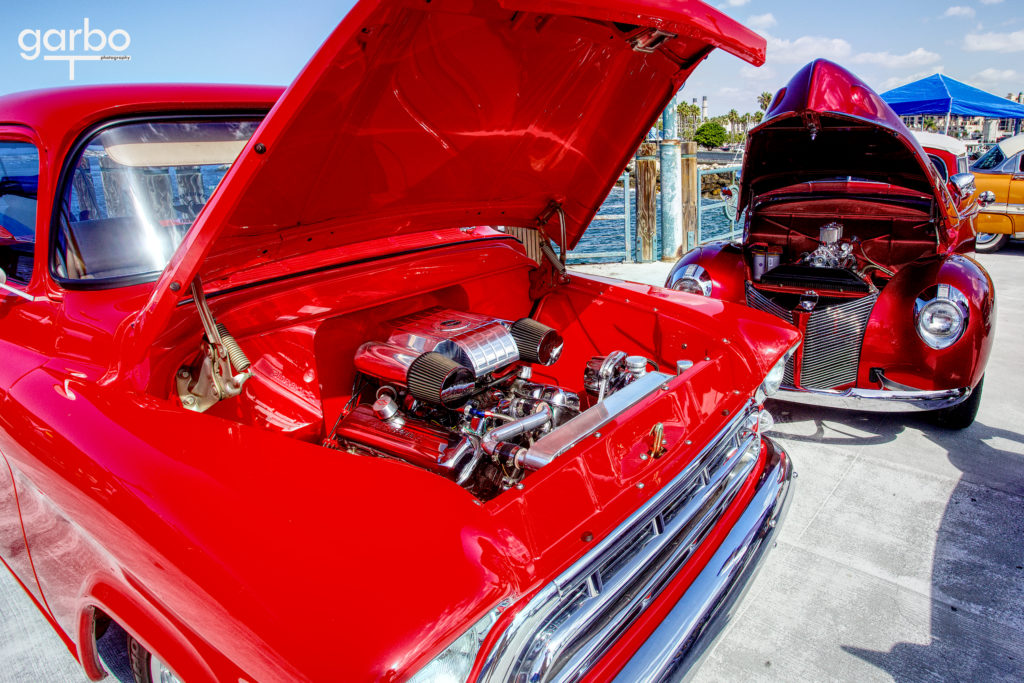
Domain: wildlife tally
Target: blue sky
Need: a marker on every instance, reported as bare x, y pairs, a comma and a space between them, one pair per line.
885, 42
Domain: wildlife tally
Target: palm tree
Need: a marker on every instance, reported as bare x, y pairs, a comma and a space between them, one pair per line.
764, 100
689, 116
734, 118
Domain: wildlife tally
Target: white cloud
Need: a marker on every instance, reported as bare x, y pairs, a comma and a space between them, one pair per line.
995, 42
736, 3
757, 74
918, 57
959, 11
759, 22
991, 2
991, 75
728, 90
806, 48
897, 81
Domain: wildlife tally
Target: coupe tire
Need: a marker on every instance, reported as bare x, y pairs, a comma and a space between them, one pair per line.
960, 416
987, 242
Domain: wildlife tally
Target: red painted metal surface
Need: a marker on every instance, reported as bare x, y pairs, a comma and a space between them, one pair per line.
458, 117
231, 542
725, 265
827, 123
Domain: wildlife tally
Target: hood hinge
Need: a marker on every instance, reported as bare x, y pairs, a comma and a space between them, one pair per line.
558, 261
221, 367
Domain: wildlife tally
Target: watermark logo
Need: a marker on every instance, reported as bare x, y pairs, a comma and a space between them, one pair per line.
74, 45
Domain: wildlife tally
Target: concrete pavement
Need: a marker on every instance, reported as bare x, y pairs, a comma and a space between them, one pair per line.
902, 557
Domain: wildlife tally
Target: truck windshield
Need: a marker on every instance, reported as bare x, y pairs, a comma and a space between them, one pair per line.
136, 190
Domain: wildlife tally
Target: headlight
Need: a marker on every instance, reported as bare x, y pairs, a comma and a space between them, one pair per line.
941, 314
455, 661
693, 279
773, 380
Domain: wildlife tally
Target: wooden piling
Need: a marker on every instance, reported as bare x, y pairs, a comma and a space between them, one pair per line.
690, 193
646, 200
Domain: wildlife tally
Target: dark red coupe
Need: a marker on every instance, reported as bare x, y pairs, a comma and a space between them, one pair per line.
853, 236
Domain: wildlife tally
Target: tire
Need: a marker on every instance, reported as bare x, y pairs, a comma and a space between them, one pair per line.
988, 242
960, 416
140, 660
145, 667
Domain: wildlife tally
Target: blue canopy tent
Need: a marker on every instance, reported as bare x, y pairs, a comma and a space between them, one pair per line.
940, 94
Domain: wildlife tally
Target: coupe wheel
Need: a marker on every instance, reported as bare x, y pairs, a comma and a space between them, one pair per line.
146, 668
962, 415
987, 242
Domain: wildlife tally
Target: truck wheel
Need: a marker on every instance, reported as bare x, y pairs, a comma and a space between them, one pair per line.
988, 242
962, 415
145, 667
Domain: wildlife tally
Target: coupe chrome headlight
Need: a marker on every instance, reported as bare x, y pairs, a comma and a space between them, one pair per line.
693, 279
773, 380
455, 662
941, 314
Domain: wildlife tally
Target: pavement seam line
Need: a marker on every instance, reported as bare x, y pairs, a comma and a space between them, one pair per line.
839, 481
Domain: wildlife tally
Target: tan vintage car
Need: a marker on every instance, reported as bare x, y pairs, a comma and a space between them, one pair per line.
999, 171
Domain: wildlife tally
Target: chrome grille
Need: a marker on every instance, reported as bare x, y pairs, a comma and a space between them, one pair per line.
756, 299
831, 349
832, 341
573, 621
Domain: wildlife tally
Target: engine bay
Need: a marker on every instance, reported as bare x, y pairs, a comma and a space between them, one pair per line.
844, 246
452, 392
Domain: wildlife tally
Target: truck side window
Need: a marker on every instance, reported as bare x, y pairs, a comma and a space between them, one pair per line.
19, 184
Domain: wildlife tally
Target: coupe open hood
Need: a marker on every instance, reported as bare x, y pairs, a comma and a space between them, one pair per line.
827, 124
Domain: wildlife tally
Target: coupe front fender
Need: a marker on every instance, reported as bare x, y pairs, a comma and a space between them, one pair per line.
723, 262
892, 343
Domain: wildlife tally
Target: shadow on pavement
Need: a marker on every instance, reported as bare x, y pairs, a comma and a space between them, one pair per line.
977, 583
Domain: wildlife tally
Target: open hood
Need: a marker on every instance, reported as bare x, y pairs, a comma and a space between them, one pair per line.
826, 124
417, 115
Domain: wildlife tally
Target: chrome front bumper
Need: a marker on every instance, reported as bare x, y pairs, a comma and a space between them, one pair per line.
686, 634
875, 400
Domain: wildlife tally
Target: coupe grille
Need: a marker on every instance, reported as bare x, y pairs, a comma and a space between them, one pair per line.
832, 341
573, 622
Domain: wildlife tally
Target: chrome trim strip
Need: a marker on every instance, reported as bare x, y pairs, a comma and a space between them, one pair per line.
875, 400
558, 441
1004, 207
636, 568
601, 634
686, 634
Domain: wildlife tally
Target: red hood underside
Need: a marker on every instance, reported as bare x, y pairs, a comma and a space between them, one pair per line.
415, 116
827, 127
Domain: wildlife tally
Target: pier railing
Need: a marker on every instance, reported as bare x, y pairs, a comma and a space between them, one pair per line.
612, 236
709, 217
